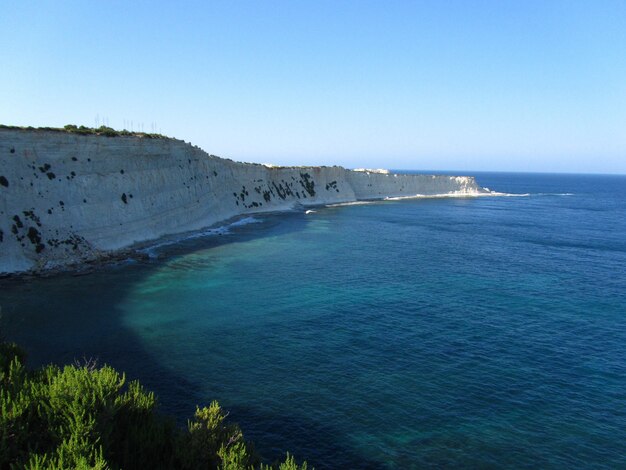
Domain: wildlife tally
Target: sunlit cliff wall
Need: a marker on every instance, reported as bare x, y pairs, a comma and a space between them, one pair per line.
67, 198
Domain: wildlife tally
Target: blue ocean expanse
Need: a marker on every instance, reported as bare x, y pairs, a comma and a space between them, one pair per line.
481, 332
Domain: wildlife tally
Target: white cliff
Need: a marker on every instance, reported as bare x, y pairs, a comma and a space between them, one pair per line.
66, 198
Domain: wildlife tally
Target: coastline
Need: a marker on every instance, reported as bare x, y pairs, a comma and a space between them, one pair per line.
71, 200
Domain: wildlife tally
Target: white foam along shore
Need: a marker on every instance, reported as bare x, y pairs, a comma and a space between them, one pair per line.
458, 194
68, 199
152, 249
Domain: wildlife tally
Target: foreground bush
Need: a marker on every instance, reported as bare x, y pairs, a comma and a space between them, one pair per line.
88, 417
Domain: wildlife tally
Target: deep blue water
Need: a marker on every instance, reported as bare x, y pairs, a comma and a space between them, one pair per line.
484, 332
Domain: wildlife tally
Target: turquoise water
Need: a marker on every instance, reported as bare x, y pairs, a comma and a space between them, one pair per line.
483, 332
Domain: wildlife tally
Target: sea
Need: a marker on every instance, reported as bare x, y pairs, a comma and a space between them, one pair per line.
475, 332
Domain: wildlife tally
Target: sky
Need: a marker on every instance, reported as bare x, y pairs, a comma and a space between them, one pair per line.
441, 85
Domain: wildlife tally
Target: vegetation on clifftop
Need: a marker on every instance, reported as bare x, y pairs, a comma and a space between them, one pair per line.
83, 130
89, 417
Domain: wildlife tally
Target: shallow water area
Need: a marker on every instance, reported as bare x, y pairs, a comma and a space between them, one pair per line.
432, 332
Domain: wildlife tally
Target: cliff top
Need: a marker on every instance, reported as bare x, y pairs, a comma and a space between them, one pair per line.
82, 130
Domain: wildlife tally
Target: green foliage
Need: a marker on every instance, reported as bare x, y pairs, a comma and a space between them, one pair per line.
107, 131
211, 440
83, 130
88, 417
8, 352
290, 464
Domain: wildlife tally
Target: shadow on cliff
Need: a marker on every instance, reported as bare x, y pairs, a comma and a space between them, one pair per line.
68, 319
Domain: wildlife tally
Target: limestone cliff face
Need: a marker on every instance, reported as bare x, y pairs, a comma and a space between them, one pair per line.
66, 198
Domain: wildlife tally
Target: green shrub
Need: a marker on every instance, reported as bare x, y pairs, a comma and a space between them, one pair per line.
88, 417
107, 131
83, 130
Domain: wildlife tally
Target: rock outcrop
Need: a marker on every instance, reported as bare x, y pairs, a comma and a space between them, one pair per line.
66, 199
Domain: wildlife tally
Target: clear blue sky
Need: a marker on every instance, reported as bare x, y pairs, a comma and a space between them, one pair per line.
449, 85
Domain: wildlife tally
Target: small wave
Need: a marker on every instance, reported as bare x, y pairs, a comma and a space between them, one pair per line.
352, 203
244, 221
310, 212
496, 193
152, 250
